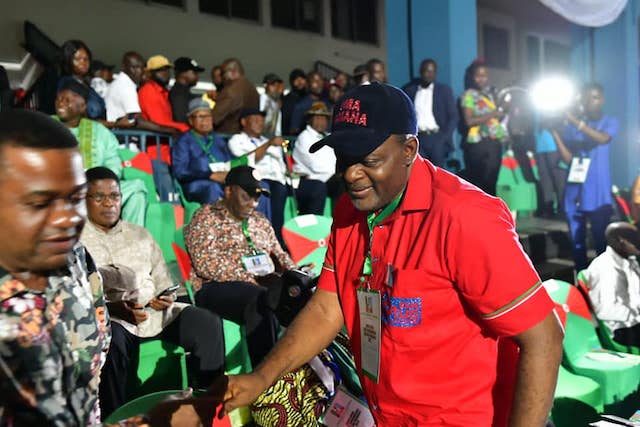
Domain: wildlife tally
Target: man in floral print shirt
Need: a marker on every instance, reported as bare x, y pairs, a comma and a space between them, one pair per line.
53, 323
224, 240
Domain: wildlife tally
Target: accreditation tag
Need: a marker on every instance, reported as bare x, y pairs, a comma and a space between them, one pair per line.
369, 306
258, 264
578, 170
347, 411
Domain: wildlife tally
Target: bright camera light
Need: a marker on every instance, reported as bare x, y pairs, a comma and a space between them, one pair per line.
552, 94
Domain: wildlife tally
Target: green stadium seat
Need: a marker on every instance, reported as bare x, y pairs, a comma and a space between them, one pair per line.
137, 165
618, 374
577, 400
162, 220
519, 194
161, 366
604, 333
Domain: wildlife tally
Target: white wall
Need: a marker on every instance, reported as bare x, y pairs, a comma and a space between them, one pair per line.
111, 27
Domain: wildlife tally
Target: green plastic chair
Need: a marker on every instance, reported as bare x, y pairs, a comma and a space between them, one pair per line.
161, 366
618, 374
604, 333
160, 220
137, 165
138, 406
519, 194
572, 393
189, 207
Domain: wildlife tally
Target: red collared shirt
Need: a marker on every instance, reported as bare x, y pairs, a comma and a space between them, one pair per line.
155, 106
460, 279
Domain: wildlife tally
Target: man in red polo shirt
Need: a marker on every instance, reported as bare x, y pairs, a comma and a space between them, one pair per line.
153, 96
426, 272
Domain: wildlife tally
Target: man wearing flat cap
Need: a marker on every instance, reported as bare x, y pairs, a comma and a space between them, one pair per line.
154, 95
186, 71
231, 247
197, 156
426, 273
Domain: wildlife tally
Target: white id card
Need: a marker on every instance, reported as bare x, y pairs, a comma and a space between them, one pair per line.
369, 306
258, 264
346, 411
578, 170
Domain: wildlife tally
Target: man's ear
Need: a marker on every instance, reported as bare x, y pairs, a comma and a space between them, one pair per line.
410, 150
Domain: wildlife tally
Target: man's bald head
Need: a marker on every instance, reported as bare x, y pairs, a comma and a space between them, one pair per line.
623, 238
133, 66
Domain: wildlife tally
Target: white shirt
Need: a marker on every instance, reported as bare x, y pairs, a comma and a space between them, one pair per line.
121, 98
614, 289
271, 166
320, 165
100, 85
271, 107
424, 109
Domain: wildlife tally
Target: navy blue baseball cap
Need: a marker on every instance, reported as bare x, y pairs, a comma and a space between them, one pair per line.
365, 117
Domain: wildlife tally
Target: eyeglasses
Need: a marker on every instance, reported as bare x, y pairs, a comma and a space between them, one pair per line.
99, 197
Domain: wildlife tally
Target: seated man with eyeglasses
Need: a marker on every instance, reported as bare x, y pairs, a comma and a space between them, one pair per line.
148, 310
197, 156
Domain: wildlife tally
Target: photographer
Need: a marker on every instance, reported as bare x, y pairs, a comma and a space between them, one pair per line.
584, 146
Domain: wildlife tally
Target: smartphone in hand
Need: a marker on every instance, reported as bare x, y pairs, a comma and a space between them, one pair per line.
168, 291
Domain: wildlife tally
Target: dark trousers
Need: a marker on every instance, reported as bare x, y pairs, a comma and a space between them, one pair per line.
311, 196
245, 304
577, 220
278, 198
552, 178
628, 336
433, 146
197, 331
482, 163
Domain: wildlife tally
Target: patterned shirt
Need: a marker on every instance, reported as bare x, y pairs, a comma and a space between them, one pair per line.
481, 103
216, 244
133, 246
53, 344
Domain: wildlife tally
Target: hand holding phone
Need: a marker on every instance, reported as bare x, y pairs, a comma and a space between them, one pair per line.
164, 293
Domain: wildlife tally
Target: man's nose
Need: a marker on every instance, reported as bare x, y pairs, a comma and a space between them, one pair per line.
67, 214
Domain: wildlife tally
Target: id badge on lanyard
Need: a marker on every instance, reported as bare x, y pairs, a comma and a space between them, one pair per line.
369, 307
258, 264
578, 170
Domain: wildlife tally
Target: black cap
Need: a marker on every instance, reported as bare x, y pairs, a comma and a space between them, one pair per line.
248, 179
97, 65
183, 64
246, 112
295, 73
271, 78
365, 117
74, 86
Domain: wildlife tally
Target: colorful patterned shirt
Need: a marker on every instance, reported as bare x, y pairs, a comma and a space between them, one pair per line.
217, 244
481, 103
53, 344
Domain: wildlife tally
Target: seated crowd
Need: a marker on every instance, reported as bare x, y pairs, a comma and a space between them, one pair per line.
231, 155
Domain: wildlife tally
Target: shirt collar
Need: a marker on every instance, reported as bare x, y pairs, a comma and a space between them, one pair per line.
156, 86
115, 230
419, 192
315, 132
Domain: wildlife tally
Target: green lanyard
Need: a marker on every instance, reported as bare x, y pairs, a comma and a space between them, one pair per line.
205, 148
374, 219
245, 231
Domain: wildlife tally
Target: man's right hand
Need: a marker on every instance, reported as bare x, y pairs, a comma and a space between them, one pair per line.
128, 311
243, 390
